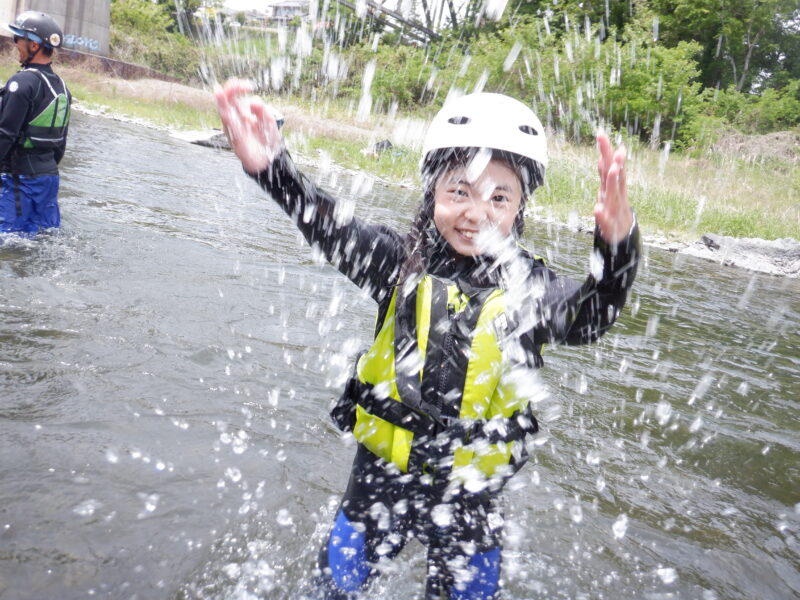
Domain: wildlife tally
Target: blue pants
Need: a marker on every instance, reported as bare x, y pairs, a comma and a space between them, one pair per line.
29, 203
381, 511
353, 548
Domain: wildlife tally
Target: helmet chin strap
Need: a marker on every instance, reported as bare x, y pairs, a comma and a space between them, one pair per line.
31, 55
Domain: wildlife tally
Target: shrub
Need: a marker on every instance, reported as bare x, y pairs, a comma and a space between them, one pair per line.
139, 34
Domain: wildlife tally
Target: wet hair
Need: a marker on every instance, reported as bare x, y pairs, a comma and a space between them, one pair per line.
442, 161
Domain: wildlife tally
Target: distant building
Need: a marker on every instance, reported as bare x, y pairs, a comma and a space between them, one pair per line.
85, 23
285, 11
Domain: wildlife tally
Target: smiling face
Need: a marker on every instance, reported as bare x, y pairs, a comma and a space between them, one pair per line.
465, 205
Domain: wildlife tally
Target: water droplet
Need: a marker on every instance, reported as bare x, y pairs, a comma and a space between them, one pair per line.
239, 445
442, 515
667, 575
234, 474
87, 507
232, 570
620, 527
284, 518
663, 412
576, 513
150, 504
702, 387
652, 325
512, 56
365, 103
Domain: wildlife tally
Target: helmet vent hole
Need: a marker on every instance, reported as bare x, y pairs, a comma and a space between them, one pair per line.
459, 120
528, 129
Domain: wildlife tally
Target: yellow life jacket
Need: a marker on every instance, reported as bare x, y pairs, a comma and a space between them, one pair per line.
436, 393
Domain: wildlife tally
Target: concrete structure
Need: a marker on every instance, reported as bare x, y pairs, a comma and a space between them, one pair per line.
286, 10
85, 22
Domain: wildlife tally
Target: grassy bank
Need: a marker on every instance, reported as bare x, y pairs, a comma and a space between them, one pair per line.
676, 196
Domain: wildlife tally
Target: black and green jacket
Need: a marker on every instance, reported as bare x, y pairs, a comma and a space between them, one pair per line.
34, 118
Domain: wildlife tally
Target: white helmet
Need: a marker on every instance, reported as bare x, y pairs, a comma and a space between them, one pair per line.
492, 121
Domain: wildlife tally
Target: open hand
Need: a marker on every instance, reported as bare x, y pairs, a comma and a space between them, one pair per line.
249, 125
612, 212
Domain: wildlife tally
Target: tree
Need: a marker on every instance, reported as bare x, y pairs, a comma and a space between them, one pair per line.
740, 38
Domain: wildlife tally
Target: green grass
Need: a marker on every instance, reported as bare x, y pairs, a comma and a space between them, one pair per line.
173, 115
397, 166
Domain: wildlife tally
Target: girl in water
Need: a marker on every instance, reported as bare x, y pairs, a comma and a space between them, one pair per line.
440, 404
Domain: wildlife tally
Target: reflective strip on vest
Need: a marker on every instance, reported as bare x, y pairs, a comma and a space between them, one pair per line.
486, 393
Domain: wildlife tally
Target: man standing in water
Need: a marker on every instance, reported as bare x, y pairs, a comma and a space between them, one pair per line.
34, 115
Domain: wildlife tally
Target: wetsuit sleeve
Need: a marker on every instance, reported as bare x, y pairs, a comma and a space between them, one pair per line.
573, 313
14, 111
369, 255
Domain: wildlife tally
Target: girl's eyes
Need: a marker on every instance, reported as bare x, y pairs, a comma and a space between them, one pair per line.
459, 195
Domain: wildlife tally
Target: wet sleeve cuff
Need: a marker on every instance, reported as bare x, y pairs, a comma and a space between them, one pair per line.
622, 256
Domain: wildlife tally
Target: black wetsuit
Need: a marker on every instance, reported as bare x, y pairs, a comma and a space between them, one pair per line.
30, 153
383, 508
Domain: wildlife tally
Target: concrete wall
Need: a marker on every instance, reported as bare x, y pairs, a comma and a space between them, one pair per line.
85, 22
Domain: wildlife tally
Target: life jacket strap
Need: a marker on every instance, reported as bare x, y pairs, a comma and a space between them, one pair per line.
495, 431
421, 393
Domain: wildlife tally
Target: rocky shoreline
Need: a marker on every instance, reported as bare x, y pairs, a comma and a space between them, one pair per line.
779, 257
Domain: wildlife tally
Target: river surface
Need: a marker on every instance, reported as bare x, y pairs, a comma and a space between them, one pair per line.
168, 357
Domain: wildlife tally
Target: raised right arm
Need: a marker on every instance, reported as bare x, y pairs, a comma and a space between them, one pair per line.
369, 255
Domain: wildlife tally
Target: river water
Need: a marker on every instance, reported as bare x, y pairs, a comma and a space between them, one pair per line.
167, 359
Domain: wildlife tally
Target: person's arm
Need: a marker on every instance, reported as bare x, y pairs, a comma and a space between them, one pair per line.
368, 255
573, 313
16, 101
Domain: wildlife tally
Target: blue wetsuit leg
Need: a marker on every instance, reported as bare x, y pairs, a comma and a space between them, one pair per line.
28, 204
464, 555
346, 551
485, 567
477, 579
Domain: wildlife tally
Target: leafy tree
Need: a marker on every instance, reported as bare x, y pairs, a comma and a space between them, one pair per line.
740, 38
610, 16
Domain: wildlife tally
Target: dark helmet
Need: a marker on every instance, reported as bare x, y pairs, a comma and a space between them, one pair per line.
37, 27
